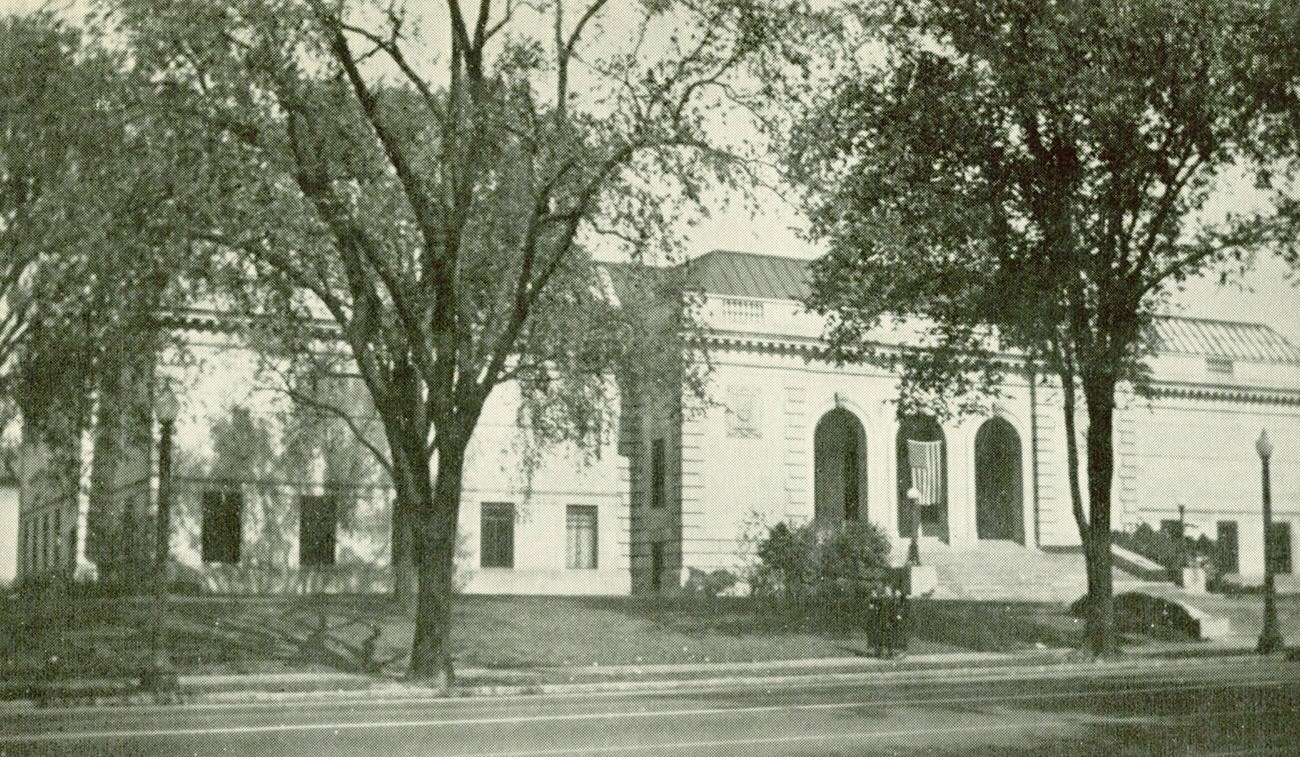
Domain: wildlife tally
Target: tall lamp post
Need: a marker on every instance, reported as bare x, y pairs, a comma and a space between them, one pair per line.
1270, 639
914, 549
161, 677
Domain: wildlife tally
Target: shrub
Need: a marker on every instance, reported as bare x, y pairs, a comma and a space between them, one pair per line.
824, 560
1136, 612
709, 584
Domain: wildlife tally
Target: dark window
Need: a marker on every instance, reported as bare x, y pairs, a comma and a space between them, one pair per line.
1226, 547
1219, 365
1280, 549
221, 526
656, 565
580, 539
497, 535
317, 528
658, 473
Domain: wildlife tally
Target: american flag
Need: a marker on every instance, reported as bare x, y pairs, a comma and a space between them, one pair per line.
924, 459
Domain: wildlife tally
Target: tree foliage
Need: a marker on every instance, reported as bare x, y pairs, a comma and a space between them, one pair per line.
433, 185
1037, 176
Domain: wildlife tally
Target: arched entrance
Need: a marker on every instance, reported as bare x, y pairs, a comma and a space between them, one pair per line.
840, 467
934, 519
999, 499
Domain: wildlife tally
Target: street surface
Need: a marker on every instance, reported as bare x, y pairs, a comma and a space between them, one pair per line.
1226, 706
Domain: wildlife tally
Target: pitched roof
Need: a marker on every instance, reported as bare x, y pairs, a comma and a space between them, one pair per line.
1231, 339
743, 274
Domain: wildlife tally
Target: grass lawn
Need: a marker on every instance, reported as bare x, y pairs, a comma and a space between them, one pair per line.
94, 636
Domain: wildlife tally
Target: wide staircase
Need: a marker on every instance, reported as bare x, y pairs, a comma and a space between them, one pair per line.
1006, 571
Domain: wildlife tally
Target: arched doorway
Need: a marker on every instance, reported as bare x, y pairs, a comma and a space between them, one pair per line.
840, 467
934, 519
999, 499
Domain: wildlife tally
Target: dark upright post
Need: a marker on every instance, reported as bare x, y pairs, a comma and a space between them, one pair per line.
1270, 639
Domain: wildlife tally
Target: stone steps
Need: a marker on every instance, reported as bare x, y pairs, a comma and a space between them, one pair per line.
1009, 572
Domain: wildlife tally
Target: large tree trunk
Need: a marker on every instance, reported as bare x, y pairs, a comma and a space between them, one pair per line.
431, 647
405, 578
1099, 392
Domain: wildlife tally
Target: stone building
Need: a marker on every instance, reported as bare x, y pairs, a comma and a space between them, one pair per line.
792, 437
268, 499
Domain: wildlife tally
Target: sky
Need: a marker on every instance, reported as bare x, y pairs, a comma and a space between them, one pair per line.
1269, 294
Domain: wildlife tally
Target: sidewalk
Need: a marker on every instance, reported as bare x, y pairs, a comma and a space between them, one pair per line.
335, 687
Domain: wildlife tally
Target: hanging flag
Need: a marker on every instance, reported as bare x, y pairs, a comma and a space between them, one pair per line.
925, 459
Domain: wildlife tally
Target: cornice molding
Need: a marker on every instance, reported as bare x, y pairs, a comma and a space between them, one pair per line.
1249, 395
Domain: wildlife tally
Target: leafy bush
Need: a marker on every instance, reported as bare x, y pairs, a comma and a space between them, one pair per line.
709, 584
1136, 612
829, 561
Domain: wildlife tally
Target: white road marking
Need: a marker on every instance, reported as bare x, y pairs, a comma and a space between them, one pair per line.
590, 716
900, 733
872, 679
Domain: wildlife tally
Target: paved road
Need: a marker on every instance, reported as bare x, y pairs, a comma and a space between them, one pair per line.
1240, 706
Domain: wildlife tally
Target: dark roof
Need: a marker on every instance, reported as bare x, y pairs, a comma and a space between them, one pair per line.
1231, 339
743, 274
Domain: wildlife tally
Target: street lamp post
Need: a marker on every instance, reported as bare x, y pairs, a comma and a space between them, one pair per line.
914, 549
1182, 533
1270, 639
161, 677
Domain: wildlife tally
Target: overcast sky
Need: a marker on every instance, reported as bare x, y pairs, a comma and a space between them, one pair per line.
1266, 295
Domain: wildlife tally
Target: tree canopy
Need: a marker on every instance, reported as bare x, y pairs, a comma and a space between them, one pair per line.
434, 184
1037, 176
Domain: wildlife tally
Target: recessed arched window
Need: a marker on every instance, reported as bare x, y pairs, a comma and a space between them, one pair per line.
840, 467
999, 497
934, 517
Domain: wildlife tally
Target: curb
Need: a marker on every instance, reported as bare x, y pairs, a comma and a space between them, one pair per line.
342, 689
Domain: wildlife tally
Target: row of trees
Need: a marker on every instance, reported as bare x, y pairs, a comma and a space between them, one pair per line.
433, 186
429, 186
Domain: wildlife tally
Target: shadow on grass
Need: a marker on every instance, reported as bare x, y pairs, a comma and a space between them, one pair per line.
974, 626
48, 636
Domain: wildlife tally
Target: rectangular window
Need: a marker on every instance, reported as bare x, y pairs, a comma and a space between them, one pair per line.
497, 535
222, 526
581, 537
317, 530
656, 565
1280, 550
1226, 547
658, 473
1220, 366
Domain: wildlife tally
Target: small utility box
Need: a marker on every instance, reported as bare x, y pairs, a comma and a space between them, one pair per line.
1194, 580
